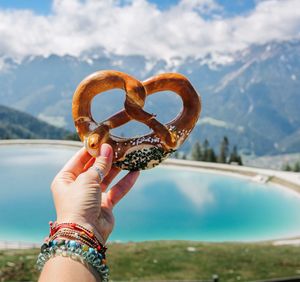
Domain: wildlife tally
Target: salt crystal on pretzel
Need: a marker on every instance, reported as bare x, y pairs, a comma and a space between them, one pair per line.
142, 152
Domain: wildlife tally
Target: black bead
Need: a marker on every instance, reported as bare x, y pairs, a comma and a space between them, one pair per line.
44, 247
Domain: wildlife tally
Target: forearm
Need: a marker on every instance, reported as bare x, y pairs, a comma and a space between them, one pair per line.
85, 218
65, 269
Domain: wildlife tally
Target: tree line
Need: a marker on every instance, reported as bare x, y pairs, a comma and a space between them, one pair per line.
295, 167
203, 152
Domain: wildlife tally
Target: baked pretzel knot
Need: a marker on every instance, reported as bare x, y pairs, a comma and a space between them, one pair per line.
141, 152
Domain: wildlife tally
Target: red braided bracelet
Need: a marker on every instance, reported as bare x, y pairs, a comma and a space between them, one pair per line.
55, 227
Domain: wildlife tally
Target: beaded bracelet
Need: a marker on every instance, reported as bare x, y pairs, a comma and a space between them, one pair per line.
66, 236
56, 227
74, 241
74, 235
76, 251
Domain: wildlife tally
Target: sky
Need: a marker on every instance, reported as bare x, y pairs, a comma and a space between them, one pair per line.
160, 29
44, 6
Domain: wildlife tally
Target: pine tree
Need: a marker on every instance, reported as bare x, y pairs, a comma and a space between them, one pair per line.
297, 167
211, 156
235, 157
239, 160
197, 152
287, 167
205, 150
224, 148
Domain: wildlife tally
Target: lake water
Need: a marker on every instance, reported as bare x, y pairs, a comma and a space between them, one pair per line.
165, 203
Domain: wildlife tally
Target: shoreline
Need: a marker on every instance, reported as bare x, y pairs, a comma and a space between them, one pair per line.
285, 180
18, 245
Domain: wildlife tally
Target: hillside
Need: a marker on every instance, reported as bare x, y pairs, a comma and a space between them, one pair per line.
159, 261
15, 124
254, 98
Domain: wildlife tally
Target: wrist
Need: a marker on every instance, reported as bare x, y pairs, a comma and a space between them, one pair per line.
84, 223
91, 258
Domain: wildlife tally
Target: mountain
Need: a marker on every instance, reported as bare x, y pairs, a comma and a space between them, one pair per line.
15, 124
253, 97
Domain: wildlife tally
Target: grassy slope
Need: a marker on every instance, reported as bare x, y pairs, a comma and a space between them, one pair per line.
15, 124
160, 260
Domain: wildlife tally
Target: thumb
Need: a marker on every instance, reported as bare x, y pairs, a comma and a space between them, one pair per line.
103, 163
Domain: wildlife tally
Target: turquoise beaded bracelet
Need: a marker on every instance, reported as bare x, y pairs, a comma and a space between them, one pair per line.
76, 251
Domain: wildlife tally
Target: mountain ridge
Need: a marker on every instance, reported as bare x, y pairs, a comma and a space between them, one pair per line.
255, 94
18, 125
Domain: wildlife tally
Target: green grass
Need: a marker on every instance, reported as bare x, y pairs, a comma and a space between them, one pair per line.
171, 260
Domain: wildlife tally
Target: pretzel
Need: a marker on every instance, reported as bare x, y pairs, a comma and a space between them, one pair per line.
142, 152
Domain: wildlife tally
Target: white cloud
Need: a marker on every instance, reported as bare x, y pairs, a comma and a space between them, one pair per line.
190, 28
199, 195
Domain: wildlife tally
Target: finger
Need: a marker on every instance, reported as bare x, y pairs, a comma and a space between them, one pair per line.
89, 164
102, 163
119, 190
74, 166
109, 178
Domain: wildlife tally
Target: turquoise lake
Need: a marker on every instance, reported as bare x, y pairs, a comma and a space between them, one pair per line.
165, 203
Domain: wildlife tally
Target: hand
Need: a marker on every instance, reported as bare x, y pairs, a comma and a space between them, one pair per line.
79, 196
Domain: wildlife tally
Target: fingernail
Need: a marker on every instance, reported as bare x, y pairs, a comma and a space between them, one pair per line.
105, 150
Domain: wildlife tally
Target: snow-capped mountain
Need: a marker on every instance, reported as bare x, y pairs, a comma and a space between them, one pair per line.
253, 97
